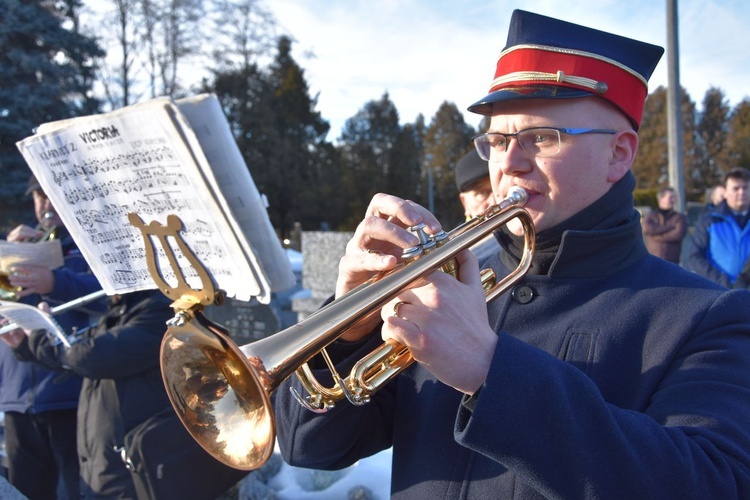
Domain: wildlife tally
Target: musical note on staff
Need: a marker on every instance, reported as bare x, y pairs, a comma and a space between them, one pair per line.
154, 159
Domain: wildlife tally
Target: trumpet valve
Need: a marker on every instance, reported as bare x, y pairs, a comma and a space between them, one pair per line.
426, 243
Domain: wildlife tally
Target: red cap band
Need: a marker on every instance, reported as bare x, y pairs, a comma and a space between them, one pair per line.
538, 65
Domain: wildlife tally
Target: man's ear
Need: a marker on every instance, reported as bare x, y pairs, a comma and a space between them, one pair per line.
624, 148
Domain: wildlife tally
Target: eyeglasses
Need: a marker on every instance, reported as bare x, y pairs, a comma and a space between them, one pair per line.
541, 142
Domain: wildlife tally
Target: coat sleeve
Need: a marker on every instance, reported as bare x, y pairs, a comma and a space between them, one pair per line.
652, 226
673, 230
697, 257
122, 350
349, 432
74, 280
549, 423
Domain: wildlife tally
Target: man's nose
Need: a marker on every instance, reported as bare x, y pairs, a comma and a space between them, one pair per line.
514, 160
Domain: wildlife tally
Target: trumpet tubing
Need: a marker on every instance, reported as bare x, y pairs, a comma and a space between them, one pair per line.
44, 225
221, 392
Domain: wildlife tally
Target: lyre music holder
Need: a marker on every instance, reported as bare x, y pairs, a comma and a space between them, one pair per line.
184, 297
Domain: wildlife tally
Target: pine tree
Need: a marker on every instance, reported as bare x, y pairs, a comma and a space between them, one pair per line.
695, 183
367, 141
712, 130
46, 70
738, 138
283, 140
447, 140
650, 167
406, 161
295, 189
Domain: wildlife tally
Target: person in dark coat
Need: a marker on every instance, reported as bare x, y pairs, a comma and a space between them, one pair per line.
122, 385
664, 228
40, 404
606, 372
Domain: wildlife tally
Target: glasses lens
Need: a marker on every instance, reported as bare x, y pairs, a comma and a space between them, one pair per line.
540, 142
482, 143
490, 141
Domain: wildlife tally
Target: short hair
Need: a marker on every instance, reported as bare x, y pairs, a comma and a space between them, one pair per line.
664, 190
737, 173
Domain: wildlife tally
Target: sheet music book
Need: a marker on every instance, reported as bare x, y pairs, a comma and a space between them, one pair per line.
158, 158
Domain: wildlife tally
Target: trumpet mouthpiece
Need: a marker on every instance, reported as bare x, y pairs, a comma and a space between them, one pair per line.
517, 196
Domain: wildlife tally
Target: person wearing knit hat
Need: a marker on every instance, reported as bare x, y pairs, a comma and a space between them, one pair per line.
604, 372
473, 184
475, 193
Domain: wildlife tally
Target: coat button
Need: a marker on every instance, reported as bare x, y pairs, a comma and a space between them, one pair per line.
523, 294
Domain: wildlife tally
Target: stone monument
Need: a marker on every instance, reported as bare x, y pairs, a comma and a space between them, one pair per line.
321, 251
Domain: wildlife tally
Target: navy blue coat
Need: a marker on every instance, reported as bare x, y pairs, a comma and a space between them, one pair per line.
29, 387
624, 377
122, 387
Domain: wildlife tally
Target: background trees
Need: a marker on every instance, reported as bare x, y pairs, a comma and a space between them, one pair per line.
52, 67
738, 137
46, 73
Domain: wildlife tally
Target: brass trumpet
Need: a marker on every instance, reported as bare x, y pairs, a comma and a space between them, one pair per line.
10, 292
44, 225
221, 392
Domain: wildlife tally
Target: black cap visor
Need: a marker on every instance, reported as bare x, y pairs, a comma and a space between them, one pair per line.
484, 105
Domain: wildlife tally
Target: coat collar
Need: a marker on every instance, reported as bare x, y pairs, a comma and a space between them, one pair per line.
603, 238
587, 254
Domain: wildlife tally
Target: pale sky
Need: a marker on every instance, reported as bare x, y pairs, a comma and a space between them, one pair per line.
425, 52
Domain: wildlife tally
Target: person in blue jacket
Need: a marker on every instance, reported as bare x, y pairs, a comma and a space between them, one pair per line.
721, 240
606, 372
40, 404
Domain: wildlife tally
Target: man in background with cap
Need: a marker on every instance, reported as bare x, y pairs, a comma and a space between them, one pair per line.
473, 184
475, 193
40, 404
606, 372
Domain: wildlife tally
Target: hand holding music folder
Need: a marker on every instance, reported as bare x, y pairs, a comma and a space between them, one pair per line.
30, 318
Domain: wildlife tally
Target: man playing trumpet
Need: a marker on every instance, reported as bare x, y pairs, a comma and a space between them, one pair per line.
604, 373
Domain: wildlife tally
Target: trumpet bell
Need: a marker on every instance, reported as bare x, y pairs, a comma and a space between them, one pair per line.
7, 291
217, 394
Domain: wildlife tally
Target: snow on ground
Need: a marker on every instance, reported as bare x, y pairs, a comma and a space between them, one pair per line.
372, 474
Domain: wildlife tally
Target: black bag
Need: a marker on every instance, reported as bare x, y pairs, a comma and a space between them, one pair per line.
166, 462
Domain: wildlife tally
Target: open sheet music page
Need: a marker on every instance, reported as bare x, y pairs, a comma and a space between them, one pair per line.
235, 188
31, 318
143, 159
